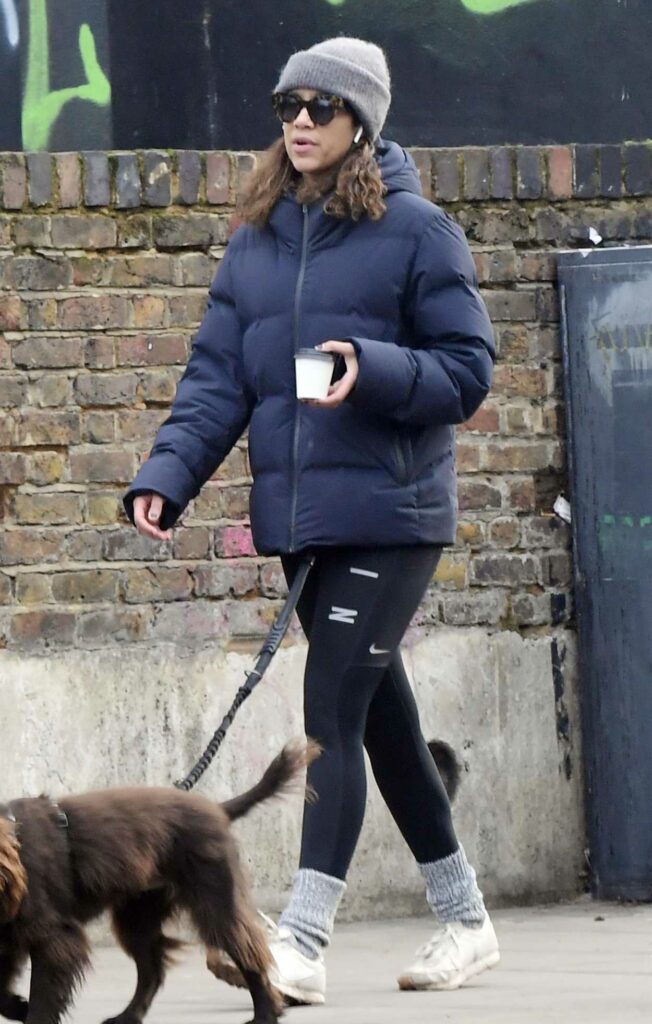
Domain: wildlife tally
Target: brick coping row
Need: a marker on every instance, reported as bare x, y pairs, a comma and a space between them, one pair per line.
157, 179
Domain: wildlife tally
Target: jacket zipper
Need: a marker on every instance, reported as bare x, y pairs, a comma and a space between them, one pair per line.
297, 411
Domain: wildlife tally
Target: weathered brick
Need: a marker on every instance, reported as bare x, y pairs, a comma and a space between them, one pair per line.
156, 179
520, 381
586, 171
235, 502
98, 427
512, 342
90, 270
536, 266
473, 608
501, 172
88, 586
521, 419
32, 231
446, 175
13, 178
13, 313
196, 269
94, 231
498, 569
139, 271
152, 349
23, 546
156, 583
560, 172
44, 468
530, 609
6, 589
218, 171
138, 425
470, 533
126, 544
106, 389
12, 391
48, 390
496, 266
69, 174
149, 311
127, 180
529, 172
8, 429
37, 427
484, 420
234, 541
511, 305
39, 170
556, 569
522, 494
545, 532
103, 466
5, 354
467, 454
49, 507
97, 179
186, 622
191, 544
48, 352
245, 163
477, 495
176, 231
220, 580
135, 231
189, 176
93, 312
207, 506
476, 173
33, 588
5, 231
234, 466
611, 171
452, 570
505, 532
187, 310
272, 580
13, 468
41, 314
40, 630
547, 304
158, 386
117, 625
83, 546
638, 169
102, 508
99, 353
515, 457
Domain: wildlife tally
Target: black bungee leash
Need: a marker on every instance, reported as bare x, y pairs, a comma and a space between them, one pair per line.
265, 655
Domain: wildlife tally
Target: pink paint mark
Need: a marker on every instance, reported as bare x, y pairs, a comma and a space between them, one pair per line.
237, 541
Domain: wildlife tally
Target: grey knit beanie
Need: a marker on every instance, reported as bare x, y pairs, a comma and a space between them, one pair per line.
351, 68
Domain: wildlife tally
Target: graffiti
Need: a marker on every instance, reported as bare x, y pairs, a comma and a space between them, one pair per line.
11, 22
625, 532
41, 106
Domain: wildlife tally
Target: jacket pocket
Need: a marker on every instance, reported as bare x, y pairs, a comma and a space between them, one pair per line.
404, 459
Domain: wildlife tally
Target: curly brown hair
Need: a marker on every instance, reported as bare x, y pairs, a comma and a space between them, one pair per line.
358, 186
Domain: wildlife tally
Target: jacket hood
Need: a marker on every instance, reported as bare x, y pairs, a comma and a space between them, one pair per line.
397, 168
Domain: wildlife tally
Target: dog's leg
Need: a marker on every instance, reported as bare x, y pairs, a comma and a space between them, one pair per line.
57, 969
12, 1006
137, 926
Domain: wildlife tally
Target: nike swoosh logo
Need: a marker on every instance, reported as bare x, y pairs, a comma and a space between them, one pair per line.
378, 650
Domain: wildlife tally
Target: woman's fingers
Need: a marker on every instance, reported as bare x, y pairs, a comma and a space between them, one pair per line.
148, 509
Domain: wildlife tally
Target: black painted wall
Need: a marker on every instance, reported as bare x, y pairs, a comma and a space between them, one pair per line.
198, 73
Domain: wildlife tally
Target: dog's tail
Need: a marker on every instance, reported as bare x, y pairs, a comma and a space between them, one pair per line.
448, 766
282, 776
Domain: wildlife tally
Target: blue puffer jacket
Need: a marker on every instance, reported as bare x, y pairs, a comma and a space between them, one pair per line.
380, 468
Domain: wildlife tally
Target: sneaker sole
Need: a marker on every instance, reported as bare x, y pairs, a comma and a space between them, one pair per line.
298, 996
407, 984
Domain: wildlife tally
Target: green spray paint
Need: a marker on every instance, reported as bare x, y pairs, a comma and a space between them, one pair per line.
476, 6
41, 106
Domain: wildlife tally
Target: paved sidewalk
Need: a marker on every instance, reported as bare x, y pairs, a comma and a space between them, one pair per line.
585, 963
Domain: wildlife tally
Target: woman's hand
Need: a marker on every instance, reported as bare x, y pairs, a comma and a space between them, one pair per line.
344, 386
148, 509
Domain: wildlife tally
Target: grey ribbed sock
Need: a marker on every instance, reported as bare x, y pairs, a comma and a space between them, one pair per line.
310, 913
452, 890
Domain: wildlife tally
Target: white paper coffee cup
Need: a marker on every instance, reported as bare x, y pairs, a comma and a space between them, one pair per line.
314, 371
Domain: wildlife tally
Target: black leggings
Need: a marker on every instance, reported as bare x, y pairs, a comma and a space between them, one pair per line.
354, 609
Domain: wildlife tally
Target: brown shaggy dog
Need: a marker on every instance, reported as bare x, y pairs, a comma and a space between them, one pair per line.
144, 854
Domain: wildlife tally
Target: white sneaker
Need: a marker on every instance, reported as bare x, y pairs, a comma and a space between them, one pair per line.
300, 979
455, 953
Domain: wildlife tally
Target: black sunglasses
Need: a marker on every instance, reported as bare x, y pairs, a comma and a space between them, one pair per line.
321, 109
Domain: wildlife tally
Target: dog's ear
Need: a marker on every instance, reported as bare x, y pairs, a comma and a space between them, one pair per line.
13, 877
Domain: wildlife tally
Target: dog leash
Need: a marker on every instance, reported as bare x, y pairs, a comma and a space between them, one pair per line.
265, 655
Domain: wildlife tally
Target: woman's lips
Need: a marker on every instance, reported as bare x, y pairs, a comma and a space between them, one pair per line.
303, 145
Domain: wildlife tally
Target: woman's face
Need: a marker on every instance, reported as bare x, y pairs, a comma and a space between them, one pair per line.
313, 148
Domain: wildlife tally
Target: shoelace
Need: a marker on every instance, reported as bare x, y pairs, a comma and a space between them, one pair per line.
436, 941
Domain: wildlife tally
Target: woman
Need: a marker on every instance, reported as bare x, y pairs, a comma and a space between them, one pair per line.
339, 251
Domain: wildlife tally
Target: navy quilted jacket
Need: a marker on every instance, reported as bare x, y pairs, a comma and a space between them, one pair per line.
380, 468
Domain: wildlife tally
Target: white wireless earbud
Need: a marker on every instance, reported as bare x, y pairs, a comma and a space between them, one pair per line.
358, 135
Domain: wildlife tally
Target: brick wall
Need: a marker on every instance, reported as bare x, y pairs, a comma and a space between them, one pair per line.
104, 264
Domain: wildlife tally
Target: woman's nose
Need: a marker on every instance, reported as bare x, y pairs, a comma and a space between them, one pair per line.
303, 120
